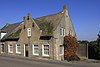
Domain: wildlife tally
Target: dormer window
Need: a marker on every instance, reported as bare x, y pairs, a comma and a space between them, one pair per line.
62, 31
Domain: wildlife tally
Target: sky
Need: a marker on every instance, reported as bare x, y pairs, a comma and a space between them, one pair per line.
85, 14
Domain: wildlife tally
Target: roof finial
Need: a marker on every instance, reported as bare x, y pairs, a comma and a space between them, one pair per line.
28, 14
65, 7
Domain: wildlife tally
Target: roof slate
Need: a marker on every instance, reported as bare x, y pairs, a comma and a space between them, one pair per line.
9, 29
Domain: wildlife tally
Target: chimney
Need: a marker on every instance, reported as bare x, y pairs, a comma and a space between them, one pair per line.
28, 16
65, 11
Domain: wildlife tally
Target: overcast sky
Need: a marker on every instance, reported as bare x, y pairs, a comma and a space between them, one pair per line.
85, 14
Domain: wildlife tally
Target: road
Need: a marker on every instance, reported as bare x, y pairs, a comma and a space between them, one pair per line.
22, 62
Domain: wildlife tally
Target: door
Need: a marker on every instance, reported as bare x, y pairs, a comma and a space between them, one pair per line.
26, 52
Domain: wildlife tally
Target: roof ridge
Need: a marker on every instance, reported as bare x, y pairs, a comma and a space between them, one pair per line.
11, 24
48, 15
15, 23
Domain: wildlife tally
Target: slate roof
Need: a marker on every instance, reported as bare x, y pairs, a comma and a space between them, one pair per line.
46, 23
9, 28
49, 23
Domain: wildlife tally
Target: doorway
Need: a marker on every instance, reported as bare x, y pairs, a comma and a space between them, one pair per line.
26, 51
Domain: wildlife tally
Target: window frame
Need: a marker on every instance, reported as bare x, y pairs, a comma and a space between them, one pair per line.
9, 48
34, 50
43, 53
61, 50
62, 31
2, 48
29, 32
17, 49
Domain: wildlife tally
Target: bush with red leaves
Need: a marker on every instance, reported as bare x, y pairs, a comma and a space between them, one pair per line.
70, 48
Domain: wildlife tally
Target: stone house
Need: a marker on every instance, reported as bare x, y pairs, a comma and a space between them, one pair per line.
37, 37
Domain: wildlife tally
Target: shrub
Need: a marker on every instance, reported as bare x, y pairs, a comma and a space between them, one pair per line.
70, 48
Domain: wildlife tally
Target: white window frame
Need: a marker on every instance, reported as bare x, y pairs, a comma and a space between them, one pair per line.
43, 50
62, 31
29, 32
9, 50
61, 50
34, 50
17, 49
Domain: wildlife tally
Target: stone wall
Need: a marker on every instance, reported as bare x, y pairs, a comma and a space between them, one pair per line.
82, 50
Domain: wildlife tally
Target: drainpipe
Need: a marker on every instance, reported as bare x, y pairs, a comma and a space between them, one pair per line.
87, 50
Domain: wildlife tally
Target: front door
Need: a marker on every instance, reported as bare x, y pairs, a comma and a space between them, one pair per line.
26, 52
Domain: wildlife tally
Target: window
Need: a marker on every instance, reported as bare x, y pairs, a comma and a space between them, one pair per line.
35, 50
2, 48
61, 50
62, 31
10, 48
45, 50
33, 25
18, 48
28, 32
24, 26
70, 32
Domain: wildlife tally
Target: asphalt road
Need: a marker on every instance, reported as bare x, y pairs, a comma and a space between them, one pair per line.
22, 62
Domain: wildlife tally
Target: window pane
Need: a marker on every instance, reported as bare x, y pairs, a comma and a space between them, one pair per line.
61, 31
46, 49
29, 32
36, 50
61, 49
18, 49
11, 48
2, 47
